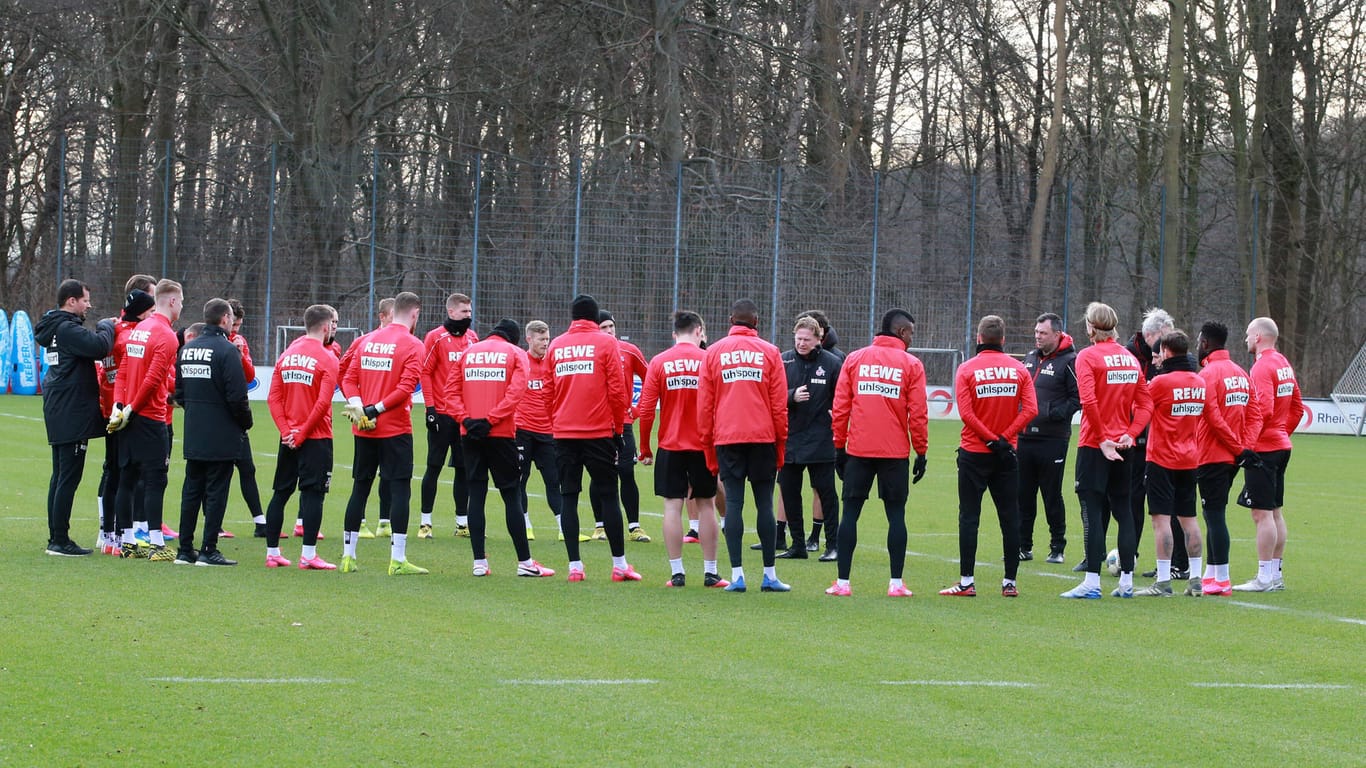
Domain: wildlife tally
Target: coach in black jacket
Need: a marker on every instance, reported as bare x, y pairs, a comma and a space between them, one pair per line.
212, 388
812, 373
71, 403
1043, 444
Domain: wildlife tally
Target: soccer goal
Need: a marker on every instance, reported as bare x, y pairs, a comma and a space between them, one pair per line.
285, 334
1349, 394
940, 364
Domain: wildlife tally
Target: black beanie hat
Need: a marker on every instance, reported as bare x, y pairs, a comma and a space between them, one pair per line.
585, 307
508, 329
136, 303
605, 316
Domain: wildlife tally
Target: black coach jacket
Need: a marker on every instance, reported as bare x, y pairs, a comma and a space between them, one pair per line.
71, 390
212, 388
810, 440
1055, 387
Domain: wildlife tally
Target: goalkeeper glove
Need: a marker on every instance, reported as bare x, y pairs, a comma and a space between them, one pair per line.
118, 418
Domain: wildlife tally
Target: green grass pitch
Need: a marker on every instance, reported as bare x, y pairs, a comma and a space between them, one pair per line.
104, 661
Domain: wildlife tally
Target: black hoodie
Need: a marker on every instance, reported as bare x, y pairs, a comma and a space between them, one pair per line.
1055, 387
71, 390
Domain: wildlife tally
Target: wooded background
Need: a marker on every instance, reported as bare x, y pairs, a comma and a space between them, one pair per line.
950, 156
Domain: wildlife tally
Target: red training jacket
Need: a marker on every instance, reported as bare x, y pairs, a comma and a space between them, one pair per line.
587, 392
1114, 395
248, 368
385, 369
880, 410
533, 412
1179, 401
108, 368
672, 382
742, 394
1232, 419
442, 352
633, 364
301, 390
993, 399
147, 373
1278, 399
488, 383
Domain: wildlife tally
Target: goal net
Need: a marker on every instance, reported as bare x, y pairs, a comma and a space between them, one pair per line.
1349, 394
286, 334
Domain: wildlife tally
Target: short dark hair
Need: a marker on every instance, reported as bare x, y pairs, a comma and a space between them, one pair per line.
1215, 333
215, 310
70, 289
237, 311
1177, 343
1052, 319
406, 301
196, 330
144, 283
895, 319
686, 322
318, 315
820, 318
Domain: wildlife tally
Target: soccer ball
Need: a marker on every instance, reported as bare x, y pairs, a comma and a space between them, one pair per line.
1112, 562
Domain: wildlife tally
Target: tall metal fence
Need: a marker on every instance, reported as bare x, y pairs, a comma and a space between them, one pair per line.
281, 229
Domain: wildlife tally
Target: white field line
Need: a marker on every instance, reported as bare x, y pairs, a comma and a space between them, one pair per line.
1278, 686
583, 681
253, 680
1311, 614
964, 683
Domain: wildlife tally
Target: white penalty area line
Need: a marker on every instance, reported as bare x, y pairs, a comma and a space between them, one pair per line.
964, 683
1277, 686
253, 680
583, 681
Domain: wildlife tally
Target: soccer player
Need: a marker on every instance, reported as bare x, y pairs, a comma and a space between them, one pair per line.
137, 306
212, 388
384, 314
486, 385
1115, 407
1156, 323
880, 413
996, 401
301, 406
141, 412
681, 469
1230, 428
381, 381
71, 403
589, 401
812, 374
442, 348
535, 443
1042, 447
1179, 402
742, 416
1278, 400
633, 366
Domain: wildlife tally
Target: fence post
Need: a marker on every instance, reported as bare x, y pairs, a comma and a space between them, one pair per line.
270, 249
777, 236
61, 202
474, 251
374, 222
1161, 242
872, 287
578, 213
678, 226
972, 261
1067, 254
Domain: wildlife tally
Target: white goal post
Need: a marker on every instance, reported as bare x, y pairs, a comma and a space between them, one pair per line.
1349, 394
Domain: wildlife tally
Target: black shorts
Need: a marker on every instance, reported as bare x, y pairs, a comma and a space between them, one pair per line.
144, 443
392, 456
1264, 486
573, 455
1097, 474
1170, 491
893, 479
493, 456
683, 475
1213, 482
308, 467
756, 461
445, 435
